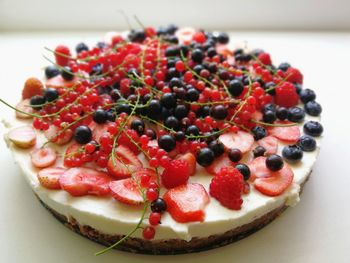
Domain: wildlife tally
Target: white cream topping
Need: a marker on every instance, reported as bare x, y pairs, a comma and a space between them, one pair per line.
109, 216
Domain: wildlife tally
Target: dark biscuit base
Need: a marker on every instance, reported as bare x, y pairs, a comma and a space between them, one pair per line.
171, 246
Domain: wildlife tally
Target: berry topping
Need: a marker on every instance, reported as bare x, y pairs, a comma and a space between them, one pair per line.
32, 87
274, 162
235, 155
307, 143
292, 153
148, 233
286, 133
176, 173
159, 205
313, 128
23, 137
296, 114
218, 112
205, 157
222, 161
62, 55
259, 132
51, 71
191, 160
244, 170
43, 157
282, 113
217, 147
313, 108
24, 106
286, 95
167, 142
49, 177
307, 95
82, 134
83, 181
259, 151
51, 94
240, 140
186, 203
227, 187
235, 87
294, 75
100, 116
126, 191
269, 143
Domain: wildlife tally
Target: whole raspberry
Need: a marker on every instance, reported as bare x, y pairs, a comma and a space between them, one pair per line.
62, 54
265, 58
286, 95
227, 187
177, 173
294, 75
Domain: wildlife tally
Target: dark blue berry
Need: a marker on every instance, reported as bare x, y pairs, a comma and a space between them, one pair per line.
284, 66
259, 151
244, 170
313, 128
51, 94
154, 108
167, 142
137, 35
274, 162
307, 143
172, 123
158, 205
270, 107
313, 108
67, 73
151, 133
100, 116
51, 71
269, 116
37, 101
192, 130
180, 136
83, 134
138, 125
205, 157
180, 111
235, 155
296, 114
218, 112
223, 38
259, 132
307, 95
235, 87
282, 113
168, 100
292, 153
192, 94
81, 47
197, 55
217, 147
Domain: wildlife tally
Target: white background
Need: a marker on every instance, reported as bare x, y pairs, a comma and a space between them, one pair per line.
316, 230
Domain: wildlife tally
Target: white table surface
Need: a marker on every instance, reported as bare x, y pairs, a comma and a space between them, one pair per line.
316, 230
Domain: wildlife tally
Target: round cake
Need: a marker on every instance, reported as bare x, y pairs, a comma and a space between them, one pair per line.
165, 141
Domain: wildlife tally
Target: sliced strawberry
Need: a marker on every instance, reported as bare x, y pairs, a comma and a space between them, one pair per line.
126, 191
53, 134
97, 130
185, 34
83, 181
59, 82
126, 141
145, 176
43, 157
186, 203
49, 177
240, 140
24, 106
215, 167
270, 143
268, 182
289, 134
124, 164
23, 137
191, 159
32, 87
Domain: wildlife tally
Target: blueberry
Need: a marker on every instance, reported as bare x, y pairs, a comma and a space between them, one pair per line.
307, 143
269, 88
197, 55
205, 157
203, 111
296, 114
51, 94
180, 136
292, 153
313, 128
235, 87
67, 73
270, 107
175, 82
218, 112
154, 108
269, 116
259, 132
100, 116
259, 151
244, 170
192, 94
235, 155
211, 52
307, 95
37, 101
223, 38
313, 108
217, 147
137, 35
81, 47
168, 100
192, 130
51, 71
138, 125
274, 162
83, 134
172, 123
284, 66
122, 107
180, 111
167, 142
282, 113
158, 205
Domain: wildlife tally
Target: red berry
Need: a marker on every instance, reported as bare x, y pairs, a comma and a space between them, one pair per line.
154, 218
286, 95
265, 58
294, 75
62, 54
151, 194
180, 66
227, 187
176, 173
199, 37
148, 232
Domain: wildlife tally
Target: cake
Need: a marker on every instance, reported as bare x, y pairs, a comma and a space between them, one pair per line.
166, 141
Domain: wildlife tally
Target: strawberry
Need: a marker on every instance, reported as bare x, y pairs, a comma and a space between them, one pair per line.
23, 136
268, 182
126, 191
83, 181
191, 160
43, 157
59, 82
220, 162
286, 95
124, 140
270, 143
186, 203
289, 134
49, 177
265, 58
185, 34
227, 187
124, 164
294, 75
176, 173
32, 87
62, 55
145, 176
24, 106
240, 140
52, 134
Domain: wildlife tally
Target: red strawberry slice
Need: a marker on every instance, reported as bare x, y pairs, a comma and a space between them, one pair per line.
43, 157
125, 163
23, 137
222, 161
97, 130
24, 106
126, 141
191, 160
185, 34
186, 203
83, 181
126, 191
270, 143
145, 176
49, 177
289, 134
268, 182
241, 140
32, 87
55, 135
59, 82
